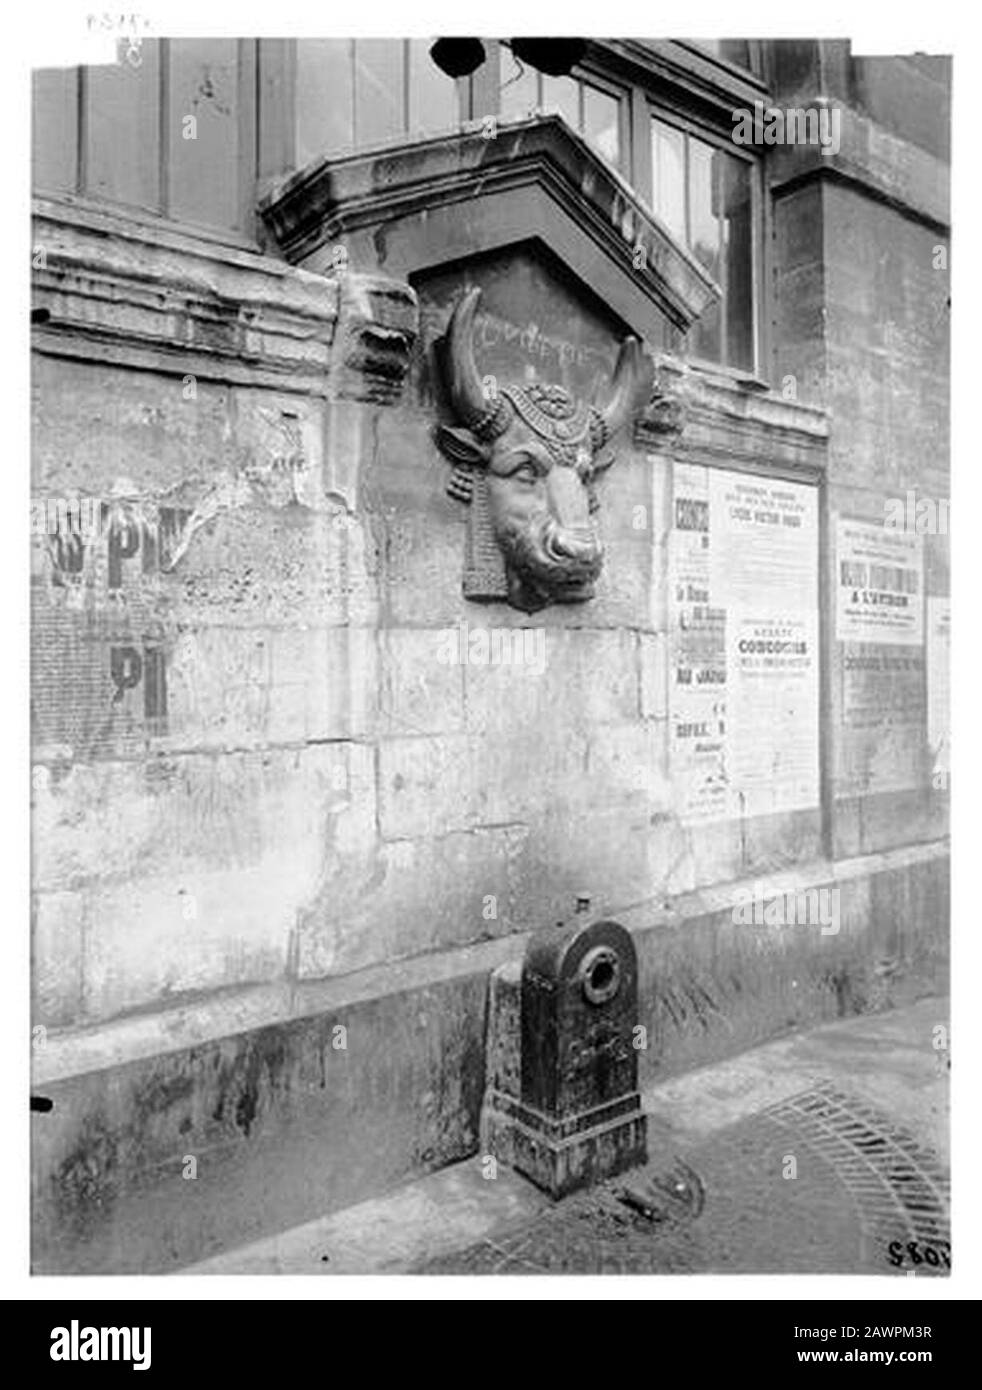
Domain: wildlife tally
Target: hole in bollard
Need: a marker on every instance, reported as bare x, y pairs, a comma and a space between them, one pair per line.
601, 974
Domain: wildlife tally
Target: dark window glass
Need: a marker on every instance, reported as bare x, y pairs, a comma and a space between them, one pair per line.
703, 194
738, 253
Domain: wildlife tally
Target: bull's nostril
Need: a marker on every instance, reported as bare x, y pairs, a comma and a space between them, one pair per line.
573, 545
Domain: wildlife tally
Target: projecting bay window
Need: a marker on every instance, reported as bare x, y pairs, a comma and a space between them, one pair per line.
707, 196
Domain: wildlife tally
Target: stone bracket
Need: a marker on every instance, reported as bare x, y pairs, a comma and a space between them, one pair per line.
378, 325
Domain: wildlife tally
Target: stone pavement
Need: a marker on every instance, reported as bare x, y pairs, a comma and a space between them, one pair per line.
821, 1152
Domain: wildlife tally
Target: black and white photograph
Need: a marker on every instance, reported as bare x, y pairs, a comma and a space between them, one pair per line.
488, 601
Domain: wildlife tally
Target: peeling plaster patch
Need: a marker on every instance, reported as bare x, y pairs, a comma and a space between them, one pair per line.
228, 492
283, 452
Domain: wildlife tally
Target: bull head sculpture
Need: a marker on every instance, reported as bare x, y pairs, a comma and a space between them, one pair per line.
526, 458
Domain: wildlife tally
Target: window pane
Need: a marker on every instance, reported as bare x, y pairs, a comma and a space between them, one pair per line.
121, 128
519, 86
54, 129
432, 94
325, 98
379, 89
203, 80
601, 122
704, 227
668, 176
738, 255
732, 50
562, 94
704, 242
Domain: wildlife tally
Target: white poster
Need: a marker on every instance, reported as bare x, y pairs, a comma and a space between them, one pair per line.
879, 584
697, 704
744, 630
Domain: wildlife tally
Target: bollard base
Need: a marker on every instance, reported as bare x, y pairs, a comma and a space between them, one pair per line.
562, 1156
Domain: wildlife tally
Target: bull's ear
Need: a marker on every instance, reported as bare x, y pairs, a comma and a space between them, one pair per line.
460, 446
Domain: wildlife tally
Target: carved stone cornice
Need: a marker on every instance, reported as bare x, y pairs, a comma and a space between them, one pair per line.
401, 208
699, 416
871, 160
699, 79
112, 288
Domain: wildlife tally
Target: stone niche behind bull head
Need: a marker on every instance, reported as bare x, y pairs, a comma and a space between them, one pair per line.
534, 387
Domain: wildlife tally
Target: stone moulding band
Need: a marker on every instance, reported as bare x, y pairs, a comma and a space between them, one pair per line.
117, 289
115, 1042
609, 1114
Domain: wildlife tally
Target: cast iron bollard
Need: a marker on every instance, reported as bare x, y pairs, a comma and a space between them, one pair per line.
562, 1104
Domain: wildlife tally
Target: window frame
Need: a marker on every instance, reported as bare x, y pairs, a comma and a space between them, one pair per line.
655, 109
755, 49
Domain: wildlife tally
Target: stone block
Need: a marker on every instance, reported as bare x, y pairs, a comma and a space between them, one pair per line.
420, 692
654, 675
57, 945
565, 680
430, 786
155, 940
406, 897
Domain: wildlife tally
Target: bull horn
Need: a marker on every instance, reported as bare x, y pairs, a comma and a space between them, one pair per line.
633, 380
463, 380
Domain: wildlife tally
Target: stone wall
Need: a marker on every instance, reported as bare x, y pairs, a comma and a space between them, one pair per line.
254, 759
862, 313
266, 804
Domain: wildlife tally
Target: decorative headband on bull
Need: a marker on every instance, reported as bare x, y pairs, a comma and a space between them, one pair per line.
526, 457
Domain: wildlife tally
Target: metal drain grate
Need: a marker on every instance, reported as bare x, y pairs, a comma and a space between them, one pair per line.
899, 1188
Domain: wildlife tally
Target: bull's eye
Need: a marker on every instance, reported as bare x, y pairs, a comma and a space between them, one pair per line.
524, 470
521, 464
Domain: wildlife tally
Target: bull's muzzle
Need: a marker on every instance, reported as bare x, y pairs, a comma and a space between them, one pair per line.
579, 544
